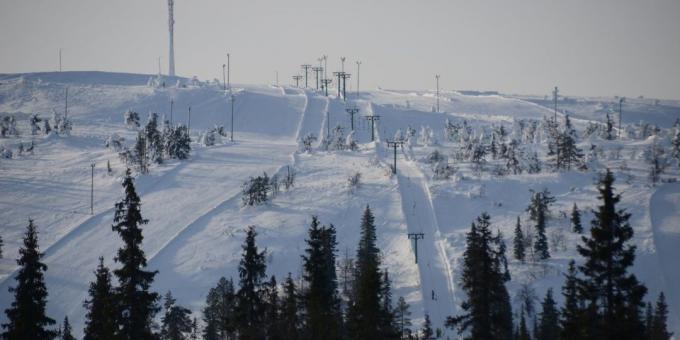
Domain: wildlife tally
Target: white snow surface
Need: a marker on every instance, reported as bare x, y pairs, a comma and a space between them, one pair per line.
196, 222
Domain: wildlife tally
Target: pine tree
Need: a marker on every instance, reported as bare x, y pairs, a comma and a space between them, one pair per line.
66, 331
402, 316
576, 220
291, 322
365, 314
1, 245
548, 326
518, 242
570, 314
176, 323
427, 332
613, 297
26, 317
321, 299
659, 330
250, 307
137, 306
488, 314
100, 319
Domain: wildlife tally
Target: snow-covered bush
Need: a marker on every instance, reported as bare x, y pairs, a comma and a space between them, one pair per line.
255, 189
289, 179
354, 182
131, 119
427, 136
442, 170
307, 142
350, 143
434, 157
6, 153
115, 142
558, 240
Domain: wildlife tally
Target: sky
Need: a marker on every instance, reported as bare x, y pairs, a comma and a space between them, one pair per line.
585, 47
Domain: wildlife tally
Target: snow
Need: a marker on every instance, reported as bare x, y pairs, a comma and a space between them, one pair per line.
197, 223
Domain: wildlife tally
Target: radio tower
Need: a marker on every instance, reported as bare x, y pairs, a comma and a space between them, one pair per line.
171, 25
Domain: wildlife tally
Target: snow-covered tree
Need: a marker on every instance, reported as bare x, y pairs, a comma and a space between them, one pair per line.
8, 126
35, 124
675, 146
350, 142
533, 163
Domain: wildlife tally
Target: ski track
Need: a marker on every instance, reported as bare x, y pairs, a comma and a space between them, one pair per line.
433, 264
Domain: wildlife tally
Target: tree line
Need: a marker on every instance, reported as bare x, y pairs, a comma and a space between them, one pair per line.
602, 299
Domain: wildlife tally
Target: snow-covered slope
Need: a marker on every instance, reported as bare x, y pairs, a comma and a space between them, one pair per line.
197, 223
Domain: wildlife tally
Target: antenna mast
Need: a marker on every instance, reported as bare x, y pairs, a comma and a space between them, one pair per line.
171, 27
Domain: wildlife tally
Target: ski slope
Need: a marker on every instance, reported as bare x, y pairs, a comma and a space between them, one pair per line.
666, 223
197, 223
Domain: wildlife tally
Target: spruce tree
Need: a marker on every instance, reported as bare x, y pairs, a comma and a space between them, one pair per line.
487, 311
649, 320
321, 299
250, 307
137, 306
388, 326
219, 312
271, 314
1, 244
402, 317
548, 326
365, 313
614, 298
609, 127
518, 242
576, 220
100, 319
538, 212
66, 331
175, 323
211, 316
522, 330
570, 314
659, 330
291, 322
26, 317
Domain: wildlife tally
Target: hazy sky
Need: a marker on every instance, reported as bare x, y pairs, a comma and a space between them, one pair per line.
586, 47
